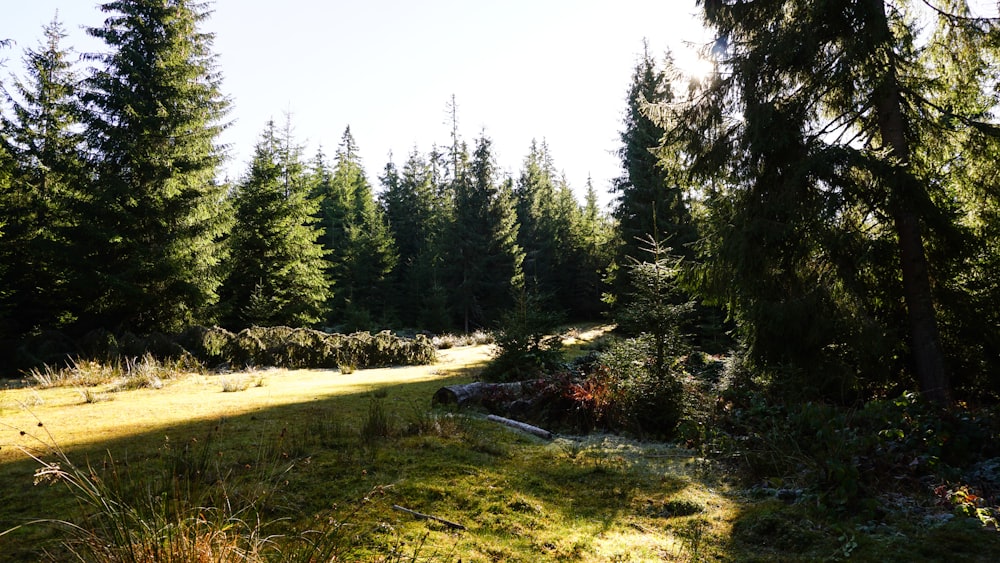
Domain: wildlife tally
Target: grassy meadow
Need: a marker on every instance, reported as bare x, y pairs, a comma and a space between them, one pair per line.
288, 456
314, 465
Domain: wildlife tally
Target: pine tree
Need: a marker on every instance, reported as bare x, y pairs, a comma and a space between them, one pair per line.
154, 117
41, 136
835, 162
275, 273
484, 259
413, 211
361, 250
650, 194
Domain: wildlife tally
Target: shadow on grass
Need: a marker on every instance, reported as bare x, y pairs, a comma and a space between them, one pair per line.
517, 495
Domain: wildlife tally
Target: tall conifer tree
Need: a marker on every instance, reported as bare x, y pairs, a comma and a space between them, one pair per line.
155, 114
42, 136
538, 232
276, 271
485, 259
836, 154
650, 196
413, 209
361, 250
596, 237
550, 221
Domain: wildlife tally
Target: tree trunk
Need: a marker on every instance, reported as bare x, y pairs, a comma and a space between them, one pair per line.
473, 393
927, 356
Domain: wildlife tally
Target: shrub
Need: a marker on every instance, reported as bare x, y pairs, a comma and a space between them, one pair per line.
617, 390
234, 383
140, 373
100, 344
47, 348
526, 345
847, 457
633, 392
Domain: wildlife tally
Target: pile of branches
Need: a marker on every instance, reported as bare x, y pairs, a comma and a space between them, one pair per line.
216, 348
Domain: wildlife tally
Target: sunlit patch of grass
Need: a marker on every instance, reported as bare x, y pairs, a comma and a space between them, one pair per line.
322, 457
577, 341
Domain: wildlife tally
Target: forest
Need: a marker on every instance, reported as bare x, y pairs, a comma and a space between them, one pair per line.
802, 251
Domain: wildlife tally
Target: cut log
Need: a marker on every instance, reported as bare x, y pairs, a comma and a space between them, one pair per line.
473, 393
524, 427
448, 523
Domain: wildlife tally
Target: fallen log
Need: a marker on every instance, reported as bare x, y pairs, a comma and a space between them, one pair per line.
449, 523
474, 393
524, 427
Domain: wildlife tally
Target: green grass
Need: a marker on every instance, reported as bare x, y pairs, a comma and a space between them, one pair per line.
311, 464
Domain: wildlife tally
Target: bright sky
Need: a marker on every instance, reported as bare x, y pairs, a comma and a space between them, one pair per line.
520, 69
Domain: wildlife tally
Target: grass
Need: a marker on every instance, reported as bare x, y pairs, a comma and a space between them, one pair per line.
310, 466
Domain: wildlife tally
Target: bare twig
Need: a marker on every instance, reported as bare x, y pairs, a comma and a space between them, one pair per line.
448, 523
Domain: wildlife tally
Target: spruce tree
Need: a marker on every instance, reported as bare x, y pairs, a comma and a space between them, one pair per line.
484, 258
596, 237
361, 250
571, 259
557, 266
9, 328
155, 112
539, 231
41, 136
413, 212
829, 159
275, 270
651, 198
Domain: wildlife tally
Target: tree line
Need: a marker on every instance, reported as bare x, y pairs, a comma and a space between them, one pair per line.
114, 216
828, 196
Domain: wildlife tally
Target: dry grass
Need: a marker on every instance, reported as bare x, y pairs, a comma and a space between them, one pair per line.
198, 397
289, 459
277, 466
521, 498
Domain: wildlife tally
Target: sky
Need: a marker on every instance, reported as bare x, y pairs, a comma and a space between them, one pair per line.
553, 70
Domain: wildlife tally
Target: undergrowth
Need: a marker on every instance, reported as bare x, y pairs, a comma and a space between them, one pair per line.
756, 480
187, 503
855, 482
323, 488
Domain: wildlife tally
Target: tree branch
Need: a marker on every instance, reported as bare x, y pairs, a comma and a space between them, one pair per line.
958, 18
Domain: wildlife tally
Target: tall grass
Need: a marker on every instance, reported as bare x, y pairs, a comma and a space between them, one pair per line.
188, 507
145, 372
